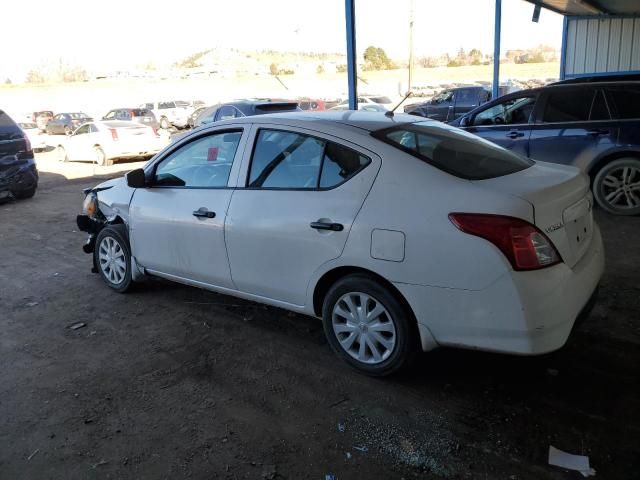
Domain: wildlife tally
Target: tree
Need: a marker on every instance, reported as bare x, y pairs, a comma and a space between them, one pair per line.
273, 69
377, 59
35, 76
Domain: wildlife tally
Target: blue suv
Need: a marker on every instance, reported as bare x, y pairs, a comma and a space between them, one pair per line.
592, 125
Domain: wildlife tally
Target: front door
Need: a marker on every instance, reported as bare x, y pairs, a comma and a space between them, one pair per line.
301, 196
507, 123
573, 126
78, 144
177, 224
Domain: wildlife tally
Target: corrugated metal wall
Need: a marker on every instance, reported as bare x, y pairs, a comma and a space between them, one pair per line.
601, 45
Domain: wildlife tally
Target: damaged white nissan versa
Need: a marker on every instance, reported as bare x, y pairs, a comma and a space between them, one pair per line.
401, 234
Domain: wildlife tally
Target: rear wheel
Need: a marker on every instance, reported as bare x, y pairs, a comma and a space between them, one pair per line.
368, 327
101, 157
616, 187
112, 256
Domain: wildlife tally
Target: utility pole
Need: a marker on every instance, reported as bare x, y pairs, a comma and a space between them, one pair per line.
410, 45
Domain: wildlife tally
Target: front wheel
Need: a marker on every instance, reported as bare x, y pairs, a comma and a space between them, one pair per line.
61, 153
112, 256
368, 327
101, 157
616, 187
164, 123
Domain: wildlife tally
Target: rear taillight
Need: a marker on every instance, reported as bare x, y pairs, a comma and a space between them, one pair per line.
114, 133
526, 247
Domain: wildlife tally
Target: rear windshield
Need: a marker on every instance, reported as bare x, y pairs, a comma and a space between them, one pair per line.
276, 107
8, 129
141, 112
453, 151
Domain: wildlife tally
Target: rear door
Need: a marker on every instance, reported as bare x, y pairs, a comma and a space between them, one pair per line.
301, 195
177, 223
572, 127
78, 144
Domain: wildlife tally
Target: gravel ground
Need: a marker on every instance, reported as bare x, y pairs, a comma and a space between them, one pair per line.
174, 382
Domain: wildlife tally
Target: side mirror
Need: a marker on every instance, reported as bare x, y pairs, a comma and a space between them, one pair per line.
464, 122
136, 178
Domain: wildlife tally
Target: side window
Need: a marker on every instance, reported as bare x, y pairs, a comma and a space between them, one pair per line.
93, 128
340, 164
204, 162
626, 101
285, 160
111, 115
225, 112
509, 112
568, 106
599, 110
467, 96
82, 130
58, 117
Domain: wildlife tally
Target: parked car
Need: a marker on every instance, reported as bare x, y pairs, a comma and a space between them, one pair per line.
169, 113
243, 108
42, 119
312, 104
102, 142
365, 107
451, 103
594, 126
380, 100
139, 115
66, 123
400, 233
18, 172
37, 139
191, 122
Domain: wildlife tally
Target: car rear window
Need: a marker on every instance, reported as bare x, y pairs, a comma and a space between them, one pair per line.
626, 101
276, 107
568, 105
453, 151
8, 129
141, 112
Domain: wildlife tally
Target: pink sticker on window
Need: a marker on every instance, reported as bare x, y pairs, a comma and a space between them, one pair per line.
212, 154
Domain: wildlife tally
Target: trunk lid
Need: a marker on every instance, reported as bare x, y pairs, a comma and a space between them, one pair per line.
562, 204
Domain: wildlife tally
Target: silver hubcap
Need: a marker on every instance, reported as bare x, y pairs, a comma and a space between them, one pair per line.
363, 327
112, 260
621, 187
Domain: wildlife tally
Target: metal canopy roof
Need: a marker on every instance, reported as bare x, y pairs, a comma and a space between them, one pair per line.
591, 7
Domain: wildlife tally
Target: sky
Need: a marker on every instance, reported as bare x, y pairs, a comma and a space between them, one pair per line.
108, 34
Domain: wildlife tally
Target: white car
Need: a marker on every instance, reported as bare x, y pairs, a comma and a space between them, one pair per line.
401, 234
36, 137
377, 100
170, 113
363, 107
102, 142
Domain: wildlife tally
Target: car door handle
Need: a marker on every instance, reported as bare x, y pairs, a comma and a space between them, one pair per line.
515, 134
335, 227
203, 212
597, 131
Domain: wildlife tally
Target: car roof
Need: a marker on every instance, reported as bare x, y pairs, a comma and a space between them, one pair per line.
369, 121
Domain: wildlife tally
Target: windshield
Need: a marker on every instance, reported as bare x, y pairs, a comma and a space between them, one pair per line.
78, 115
453, 151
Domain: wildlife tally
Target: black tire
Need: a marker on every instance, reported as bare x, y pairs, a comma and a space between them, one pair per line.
406, 332
24, 194
114, 234
164, 123
622, 198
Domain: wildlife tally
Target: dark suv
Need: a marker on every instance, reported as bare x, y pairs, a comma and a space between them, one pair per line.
593, 125
451, 103
18, 173
243, 108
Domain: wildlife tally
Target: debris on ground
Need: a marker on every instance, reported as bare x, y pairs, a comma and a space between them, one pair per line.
33, 454
553, 372
335, 404
330, 476
269, 472
362, 449
78, 325
349, 455
579, 463
341, 427
31, 304
100, 463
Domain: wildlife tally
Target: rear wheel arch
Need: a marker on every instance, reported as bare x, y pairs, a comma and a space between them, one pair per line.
608, 158
328, 279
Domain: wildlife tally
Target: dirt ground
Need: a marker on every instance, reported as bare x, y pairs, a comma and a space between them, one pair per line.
172, 382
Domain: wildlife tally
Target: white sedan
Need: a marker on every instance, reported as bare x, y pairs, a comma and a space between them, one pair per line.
102, 142
401, 234
37, 139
